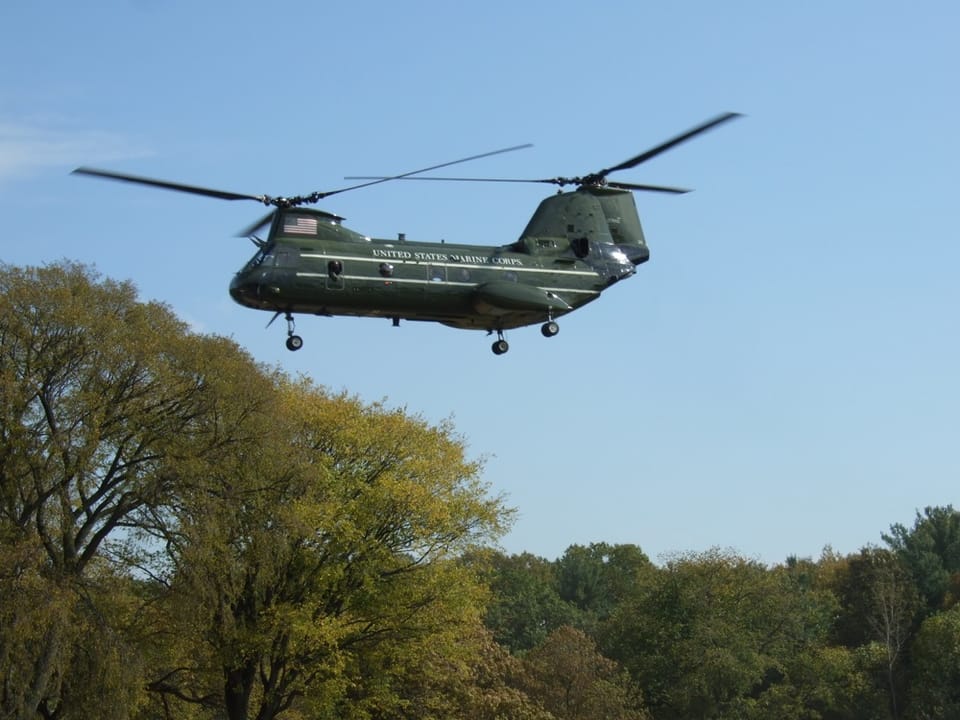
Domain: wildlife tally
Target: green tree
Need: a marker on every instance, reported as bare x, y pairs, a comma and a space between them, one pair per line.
315, 564
824, 683
573, 681
931, 552
99, 393
935, 671
813, 680
879, 607
525, 606
710, 633
465, 675
596, 577
95, 390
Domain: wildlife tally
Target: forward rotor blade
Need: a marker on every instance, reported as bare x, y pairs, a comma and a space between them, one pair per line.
380, 179
267, 199
252, 228
673, 142
446, 179
167, 185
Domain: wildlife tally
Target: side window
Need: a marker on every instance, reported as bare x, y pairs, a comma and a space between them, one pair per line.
286, 258
436, 273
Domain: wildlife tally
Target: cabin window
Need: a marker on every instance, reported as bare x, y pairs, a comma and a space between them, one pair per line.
436, 273
286, 258
298, 224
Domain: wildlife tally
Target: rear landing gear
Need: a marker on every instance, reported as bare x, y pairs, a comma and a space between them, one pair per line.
294, 342
548, 329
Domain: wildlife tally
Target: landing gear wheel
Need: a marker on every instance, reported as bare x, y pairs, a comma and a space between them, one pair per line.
294, 343
549, 329
500, 347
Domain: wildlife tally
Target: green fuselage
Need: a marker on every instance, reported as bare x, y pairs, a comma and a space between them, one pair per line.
314, 265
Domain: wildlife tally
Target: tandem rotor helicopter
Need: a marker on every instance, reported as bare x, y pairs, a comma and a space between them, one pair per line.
577, 244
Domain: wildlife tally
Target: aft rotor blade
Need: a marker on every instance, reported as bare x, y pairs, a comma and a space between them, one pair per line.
167, 185
598, 179
374, 180
647, 188
672, 142
551, 181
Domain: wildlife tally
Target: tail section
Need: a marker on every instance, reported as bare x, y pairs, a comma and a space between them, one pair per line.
592, 215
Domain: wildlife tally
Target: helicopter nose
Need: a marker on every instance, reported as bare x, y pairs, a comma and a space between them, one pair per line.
243, 290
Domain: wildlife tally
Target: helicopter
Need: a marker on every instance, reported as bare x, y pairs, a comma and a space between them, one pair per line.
577, 244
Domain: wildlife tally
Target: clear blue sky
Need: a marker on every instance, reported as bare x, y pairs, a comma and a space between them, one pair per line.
782, 375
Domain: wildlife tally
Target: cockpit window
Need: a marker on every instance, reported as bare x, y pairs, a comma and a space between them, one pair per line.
295, 224
264, 254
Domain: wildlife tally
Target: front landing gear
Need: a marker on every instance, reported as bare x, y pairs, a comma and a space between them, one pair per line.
294, 342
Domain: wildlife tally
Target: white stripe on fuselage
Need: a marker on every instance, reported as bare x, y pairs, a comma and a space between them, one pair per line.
415, 281
468, 266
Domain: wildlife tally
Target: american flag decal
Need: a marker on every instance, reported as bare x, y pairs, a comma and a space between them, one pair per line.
300, 225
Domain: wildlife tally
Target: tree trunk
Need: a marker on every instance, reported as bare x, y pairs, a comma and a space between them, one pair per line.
238, 683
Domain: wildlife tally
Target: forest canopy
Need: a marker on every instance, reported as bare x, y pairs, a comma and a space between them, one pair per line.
186, 533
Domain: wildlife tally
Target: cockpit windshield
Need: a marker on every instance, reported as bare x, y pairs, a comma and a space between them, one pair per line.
264, 255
